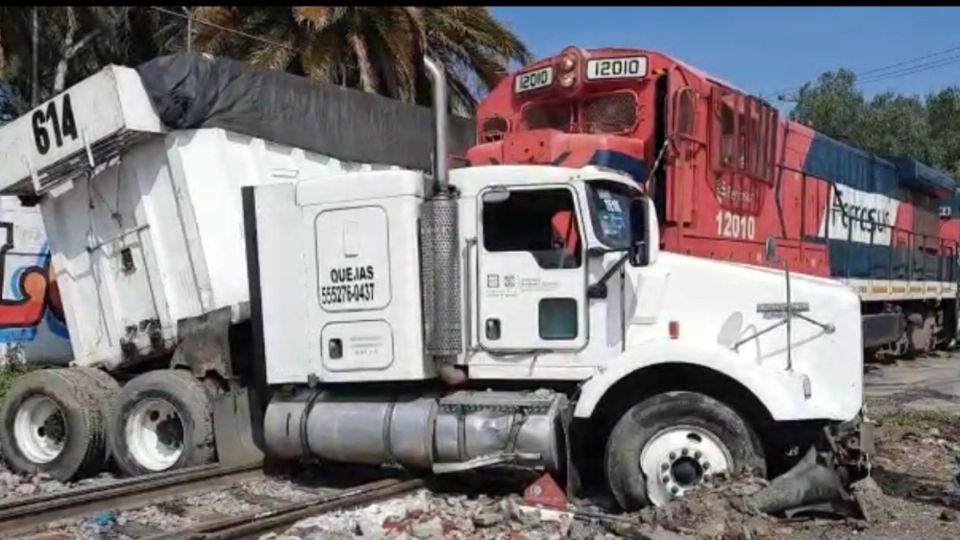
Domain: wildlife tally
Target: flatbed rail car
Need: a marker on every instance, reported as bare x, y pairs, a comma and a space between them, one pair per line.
726, 172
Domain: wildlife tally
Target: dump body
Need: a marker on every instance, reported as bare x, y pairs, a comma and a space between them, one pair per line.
138, 176
158, 237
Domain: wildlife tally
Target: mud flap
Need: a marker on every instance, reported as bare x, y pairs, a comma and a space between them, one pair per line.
204, 344
237, 428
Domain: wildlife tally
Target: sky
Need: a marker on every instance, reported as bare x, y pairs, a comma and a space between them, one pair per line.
760, 49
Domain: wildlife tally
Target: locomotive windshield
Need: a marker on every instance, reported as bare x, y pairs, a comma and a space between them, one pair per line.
610, 212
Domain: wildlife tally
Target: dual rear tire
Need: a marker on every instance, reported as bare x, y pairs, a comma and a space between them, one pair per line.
162, 420
54, 421
68, 423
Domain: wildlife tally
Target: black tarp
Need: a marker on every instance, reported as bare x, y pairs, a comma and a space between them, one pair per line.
191, 91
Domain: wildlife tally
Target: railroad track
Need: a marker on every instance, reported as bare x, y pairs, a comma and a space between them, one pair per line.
251, 525
62, 514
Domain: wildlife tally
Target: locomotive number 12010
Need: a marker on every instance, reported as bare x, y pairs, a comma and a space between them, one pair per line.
736, 226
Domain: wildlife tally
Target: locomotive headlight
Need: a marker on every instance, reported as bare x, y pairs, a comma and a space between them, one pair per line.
568, 67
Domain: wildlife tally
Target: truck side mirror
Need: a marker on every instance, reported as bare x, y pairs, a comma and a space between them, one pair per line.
639, 251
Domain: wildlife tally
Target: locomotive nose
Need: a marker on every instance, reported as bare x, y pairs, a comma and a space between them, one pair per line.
535, 146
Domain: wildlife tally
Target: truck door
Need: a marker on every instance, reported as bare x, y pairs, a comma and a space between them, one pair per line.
531, 270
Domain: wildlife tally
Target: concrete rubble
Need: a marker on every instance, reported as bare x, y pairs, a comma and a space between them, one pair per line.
715, 513
426, 516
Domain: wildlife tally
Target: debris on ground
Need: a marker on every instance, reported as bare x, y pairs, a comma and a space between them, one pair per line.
427, 516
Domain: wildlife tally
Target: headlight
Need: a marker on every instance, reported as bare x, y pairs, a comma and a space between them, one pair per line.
568, 67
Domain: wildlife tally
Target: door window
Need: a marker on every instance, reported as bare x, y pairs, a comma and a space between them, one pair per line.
541, 222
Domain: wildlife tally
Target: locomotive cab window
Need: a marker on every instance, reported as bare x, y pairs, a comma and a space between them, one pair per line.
726, 134
685, 109
542, 222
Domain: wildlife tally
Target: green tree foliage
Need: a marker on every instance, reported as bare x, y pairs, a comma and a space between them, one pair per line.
943, 119
833, 106
889, 124
376, 49
73, 42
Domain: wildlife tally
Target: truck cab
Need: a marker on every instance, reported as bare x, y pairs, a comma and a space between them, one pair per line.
553, 281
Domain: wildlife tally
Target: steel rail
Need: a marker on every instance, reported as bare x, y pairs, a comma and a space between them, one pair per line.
28, 513
253, 524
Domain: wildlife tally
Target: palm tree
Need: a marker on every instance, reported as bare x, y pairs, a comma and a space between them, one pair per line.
374, 49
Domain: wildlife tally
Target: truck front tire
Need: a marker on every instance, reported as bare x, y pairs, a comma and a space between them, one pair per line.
52, 422
163, 420
673, 442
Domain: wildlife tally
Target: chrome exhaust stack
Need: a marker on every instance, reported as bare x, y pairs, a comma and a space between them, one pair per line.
438, 82
440, 247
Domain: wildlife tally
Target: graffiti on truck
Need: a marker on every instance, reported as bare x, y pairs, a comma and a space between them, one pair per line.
30, 297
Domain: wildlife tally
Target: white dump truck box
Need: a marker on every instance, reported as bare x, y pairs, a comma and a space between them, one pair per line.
105, 113
152, 234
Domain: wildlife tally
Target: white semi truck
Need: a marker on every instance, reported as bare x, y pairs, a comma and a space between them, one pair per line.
441, 322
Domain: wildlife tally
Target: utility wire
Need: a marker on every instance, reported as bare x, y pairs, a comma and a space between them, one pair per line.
910, 61
912, 69
224, 28
884, 73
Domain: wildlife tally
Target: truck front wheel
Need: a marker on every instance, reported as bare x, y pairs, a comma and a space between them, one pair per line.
163, 420
673, 442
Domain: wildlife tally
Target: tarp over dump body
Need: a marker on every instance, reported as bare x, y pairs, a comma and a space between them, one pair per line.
192, 91
118, 107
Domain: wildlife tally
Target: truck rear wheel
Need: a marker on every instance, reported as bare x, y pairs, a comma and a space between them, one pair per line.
673, 442
163, 420
106, 389
51, 421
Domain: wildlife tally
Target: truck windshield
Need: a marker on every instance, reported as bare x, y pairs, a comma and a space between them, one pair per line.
610, 212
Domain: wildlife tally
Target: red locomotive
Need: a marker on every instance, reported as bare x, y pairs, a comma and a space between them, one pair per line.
726, 172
